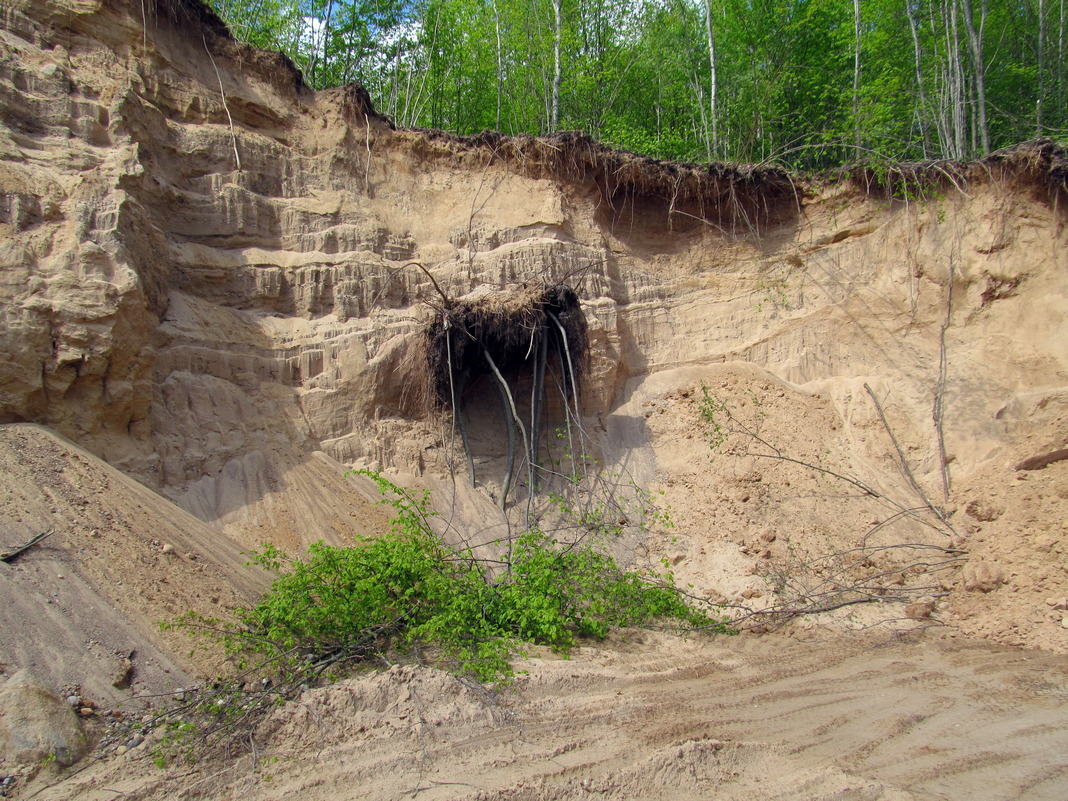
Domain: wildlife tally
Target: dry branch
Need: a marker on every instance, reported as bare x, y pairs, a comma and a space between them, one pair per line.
941, 515
1043, 460
10, 556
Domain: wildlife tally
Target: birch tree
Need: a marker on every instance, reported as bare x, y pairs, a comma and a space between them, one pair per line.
975, 45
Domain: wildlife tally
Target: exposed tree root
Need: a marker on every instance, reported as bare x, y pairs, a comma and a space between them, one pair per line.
504, 336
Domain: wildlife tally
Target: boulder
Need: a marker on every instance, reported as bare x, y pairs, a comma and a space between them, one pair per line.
36, 724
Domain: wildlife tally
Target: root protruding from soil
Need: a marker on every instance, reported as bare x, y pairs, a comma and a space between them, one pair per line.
508, 334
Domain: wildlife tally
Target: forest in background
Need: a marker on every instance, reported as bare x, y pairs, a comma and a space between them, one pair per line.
805, 83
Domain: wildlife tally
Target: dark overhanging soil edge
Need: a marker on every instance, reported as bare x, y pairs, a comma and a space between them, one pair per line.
1041, 163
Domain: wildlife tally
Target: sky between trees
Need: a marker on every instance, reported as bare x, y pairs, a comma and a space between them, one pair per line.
808, 83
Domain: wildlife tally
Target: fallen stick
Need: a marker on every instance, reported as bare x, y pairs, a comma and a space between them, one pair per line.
10, 556
1044, 460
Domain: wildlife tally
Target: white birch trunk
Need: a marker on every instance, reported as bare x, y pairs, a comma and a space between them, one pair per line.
856, 73
554, 114
1041, 66
713, 145
925, 106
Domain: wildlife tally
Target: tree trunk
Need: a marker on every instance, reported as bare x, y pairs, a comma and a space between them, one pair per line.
554, 115
500, 66
856, 73
955, 81
924, 104
1060, 69
712, 111
314, 63
1041, 66
975, 44
706, 131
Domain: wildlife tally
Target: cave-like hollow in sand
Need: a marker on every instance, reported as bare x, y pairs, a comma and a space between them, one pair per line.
537, 331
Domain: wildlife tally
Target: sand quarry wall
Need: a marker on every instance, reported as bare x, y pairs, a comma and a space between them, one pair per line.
207, 282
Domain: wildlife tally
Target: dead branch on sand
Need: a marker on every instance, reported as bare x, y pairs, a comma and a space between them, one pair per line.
866, 574
11, 556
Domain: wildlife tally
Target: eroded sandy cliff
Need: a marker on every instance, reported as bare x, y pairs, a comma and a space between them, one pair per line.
208, 282
218, 282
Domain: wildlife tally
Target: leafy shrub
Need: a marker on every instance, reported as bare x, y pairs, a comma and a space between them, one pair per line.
406, 590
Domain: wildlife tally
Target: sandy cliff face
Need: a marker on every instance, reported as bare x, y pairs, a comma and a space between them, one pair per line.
208, 282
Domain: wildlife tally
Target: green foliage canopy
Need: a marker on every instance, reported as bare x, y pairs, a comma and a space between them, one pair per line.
811, 83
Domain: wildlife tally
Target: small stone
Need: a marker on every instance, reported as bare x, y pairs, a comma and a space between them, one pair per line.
1064, 622
123, 674
133, 742
85, 711
122, 749
1057, 603
768, 536
921, 609
983, 511
74, 701
168, 548
982, 576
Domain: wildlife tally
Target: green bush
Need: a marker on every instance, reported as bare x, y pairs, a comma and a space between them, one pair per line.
406, 591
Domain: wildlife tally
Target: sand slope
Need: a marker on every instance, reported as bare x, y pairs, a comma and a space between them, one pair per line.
121, 559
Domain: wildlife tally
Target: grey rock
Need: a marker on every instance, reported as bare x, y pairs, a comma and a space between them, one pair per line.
36, 724
123, 675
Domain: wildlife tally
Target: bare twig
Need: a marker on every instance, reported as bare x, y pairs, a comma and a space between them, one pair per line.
437, 286
938, 413
776, 454
11, 555
941, 515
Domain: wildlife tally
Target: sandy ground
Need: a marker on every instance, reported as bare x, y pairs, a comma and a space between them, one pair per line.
993, 569
866, 703
649, 716
120, 560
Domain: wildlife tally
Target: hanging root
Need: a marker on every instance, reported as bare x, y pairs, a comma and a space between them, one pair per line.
537, 394
458, 418
506, 334
506, 417
457, 410
570, 383
509, 406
